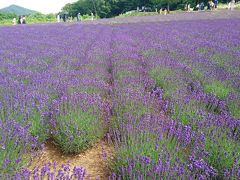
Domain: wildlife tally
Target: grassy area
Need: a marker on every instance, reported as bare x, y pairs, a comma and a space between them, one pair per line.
225, 6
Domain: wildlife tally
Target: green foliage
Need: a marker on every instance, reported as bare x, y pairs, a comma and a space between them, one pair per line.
160, 76
41, 18
137, 14
110, 8
221, 59
39, 128
234, 108
185, 113
222, 151
124, 73
217, 88
98, 7
76, 131
202, 50
15, 145
6, 18
146, 144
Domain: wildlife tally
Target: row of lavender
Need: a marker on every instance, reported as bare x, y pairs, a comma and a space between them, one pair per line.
53, 86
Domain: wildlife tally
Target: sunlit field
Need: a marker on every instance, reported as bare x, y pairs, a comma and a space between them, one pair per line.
163, 94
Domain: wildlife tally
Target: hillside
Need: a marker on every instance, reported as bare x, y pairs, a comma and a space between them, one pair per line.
18, 10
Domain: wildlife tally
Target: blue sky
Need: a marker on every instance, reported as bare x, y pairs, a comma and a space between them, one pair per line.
43, 6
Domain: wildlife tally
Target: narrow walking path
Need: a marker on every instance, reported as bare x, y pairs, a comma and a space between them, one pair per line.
94, 160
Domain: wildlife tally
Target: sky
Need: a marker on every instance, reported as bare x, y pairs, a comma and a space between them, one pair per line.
43, 6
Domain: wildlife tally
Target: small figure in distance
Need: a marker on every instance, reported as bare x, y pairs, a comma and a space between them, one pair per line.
209, 5
160, 11
202, 6
92, 16
58, 18
185, 7
165, 11
212, 5
24, 20
197, 7
232, 5
188, 7
14, 21
64, 17
19, 19
79, 17
216, 4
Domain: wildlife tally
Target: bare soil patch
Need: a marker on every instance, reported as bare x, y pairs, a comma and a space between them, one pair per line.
94, 160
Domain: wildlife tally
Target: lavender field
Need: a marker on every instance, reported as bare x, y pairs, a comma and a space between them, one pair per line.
165, 95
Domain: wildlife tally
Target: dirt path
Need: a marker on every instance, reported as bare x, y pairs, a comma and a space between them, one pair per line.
94, 160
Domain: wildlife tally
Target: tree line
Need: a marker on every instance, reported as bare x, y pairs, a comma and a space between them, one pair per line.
110, 8
7, 18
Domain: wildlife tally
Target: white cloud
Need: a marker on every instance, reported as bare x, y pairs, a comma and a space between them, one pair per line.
43, 6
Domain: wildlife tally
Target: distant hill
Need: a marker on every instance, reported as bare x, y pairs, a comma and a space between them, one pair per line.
18, 10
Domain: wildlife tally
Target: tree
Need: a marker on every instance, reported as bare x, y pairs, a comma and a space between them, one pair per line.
167, 3
97, 7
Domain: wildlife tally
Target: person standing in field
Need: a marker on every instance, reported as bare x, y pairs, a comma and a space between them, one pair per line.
165, 11
78, 17
92, 16
202, 6
197, 7
14, 21
24, 20
160, 11
64, 17
58, 18
215, 4
20, 20
232, 5
209, 5
188, 7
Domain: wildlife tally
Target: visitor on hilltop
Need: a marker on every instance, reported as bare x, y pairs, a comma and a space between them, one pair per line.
212, 5
198, 7
188, 7
14, 21
92, 16
64, 17
215, 4
79, 17
58, 18
160, 11
165, 11
24, 20
202, 6
20, 20
209, 6
231, 5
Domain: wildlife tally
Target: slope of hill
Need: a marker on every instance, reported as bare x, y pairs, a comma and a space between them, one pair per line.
17, 10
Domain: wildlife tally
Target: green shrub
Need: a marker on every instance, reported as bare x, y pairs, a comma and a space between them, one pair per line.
77, 130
